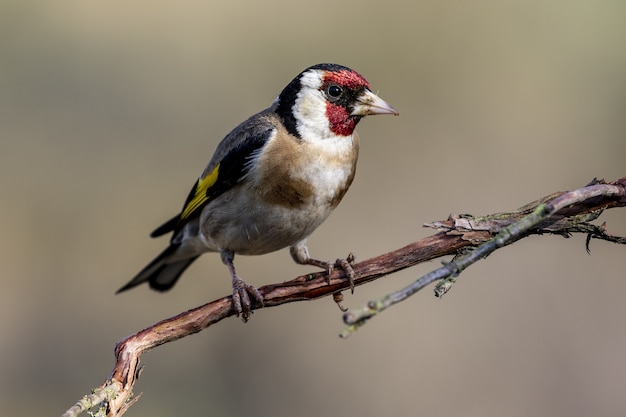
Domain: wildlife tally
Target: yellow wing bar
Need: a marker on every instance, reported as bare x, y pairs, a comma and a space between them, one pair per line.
201, 193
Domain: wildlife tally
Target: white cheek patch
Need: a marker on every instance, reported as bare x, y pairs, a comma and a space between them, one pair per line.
310, 108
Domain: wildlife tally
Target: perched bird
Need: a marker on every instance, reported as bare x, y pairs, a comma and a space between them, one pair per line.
271, 181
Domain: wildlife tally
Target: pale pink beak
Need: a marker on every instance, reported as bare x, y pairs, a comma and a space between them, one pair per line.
369, 103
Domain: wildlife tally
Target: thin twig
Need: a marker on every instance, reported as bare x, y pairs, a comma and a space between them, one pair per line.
541, 214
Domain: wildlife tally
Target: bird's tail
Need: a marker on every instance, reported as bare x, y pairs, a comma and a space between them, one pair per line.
162, 273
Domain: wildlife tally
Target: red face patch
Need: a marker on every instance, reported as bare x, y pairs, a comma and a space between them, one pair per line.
339, 120
349, 79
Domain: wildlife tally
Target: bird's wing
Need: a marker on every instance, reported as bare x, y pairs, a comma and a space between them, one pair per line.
227, 168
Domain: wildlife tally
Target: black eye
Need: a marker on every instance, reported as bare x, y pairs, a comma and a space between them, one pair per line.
334, 91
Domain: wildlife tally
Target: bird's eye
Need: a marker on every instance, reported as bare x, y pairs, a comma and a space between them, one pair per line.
334, 91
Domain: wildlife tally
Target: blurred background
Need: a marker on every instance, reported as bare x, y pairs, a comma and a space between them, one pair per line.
109, 111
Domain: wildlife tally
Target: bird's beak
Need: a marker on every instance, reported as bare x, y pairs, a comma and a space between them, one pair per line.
369, 103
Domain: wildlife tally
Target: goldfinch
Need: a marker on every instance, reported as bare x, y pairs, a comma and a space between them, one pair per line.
271, 181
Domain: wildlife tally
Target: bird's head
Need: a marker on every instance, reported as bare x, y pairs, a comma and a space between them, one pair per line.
328, 100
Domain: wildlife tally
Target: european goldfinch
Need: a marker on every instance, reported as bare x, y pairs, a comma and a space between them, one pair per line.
271, 181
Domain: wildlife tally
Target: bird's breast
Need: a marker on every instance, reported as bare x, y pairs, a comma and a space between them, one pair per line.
307, 175
290, 189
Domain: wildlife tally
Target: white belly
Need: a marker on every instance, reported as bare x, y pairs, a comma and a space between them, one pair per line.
248, 226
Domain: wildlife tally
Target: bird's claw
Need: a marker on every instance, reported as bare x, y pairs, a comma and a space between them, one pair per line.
241, 298
346, 265
338, 299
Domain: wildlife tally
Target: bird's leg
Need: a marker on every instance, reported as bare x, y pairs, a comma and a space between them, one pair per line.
300, 254
241, 289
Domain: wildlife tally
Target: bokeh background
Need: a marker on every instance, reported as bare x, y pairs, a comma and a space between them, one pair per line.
110, 109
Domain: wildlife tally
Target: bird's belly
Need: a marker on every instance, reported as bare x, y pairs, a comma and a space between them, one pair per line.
252, 226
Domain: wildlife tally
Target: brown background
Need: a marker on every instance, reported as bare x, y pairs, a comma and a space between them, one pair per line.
110, 109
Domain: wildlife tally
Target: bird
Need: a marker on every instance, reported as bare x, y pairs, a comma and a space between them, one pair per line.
271, 182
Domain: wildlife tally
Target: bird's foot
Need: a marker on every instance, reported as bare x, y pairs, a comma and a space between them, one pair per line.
345, 264
241, 298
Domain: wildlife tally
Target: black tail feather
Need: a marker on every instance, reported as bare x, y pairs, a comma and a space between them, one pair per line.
161, 274
168, 226
167, 275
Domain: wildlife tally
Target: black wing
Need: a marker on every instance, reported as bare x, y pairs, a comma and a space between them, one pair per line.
225, 175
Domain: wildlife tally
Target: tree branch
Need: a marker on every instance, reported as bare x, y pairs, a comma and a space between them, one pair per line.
559, 213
